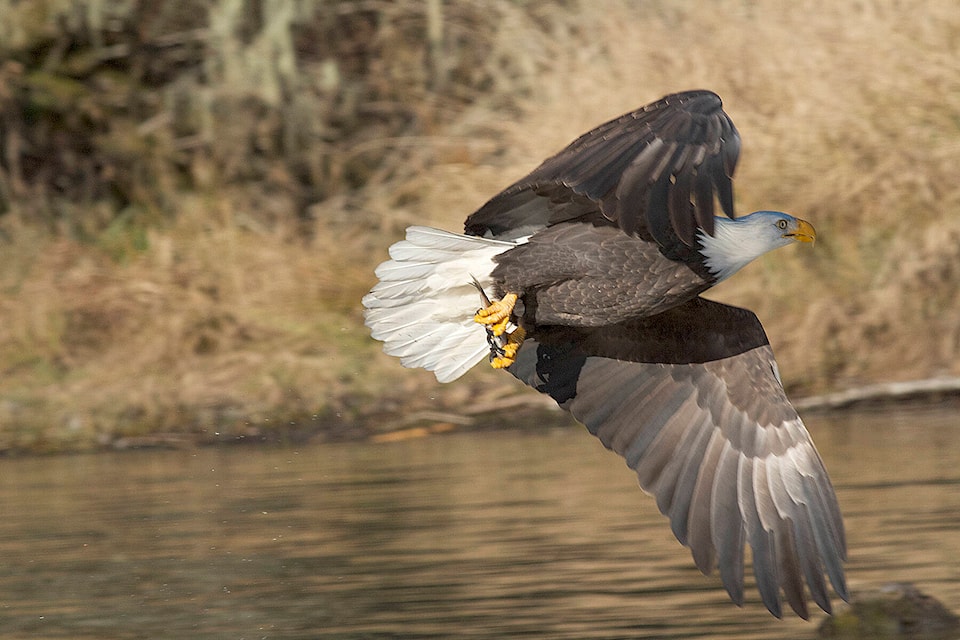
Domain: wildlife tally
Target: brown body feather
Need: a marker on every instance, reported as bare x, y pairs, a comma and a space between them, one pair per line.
593, 274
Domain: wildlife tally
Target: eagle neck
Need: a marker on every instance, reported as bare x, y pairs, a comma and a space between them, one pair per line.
733, 245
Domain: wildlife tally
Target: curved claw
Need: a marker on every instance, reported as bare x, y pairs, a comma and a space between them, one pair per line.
497, 315
504, 356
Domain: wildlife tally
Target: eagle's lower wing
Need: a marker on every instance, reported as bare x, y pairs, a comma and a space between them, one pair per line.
654, 171
691, 399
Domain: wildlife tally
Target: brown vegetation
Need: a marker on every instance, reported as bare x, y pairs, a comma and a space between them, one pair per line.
193, 195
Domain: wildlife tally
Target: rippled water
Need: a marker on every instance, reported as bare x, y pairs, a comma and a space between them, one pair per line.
481, 535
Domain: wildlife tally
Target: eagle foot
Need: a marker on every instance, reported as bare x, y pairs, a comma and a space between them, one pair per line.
497, 314
503, 352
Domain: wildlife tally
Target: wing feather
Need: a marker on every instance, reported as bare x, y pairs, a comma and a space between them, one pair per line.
700, 538
726, 522
683, 144
683, 495
651, 461
665, 486
712, 436
768, 577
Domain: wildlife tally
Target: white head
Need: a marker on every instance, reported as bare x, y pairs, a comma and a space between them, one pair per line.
736, 242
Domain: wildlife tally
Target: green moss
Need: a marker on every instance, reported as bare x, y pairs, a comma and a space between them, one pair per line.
893, 611
125, 236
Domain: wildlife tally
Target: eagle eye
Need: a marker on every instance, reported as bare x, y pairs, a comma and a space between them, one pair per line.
781, 224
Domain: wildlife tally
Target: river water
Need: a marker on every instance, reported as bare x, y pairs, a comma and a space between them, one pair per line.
474, 535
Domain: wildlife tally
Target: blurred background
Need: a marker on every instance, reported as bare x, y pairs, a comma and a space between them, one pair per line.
193, 195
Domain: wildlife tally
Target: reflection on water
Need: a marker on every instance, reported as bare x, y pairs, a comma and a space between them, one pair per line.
485, 535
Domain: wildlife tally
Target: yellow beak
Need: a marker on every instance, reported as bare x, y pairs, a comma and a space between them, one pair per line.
803, 233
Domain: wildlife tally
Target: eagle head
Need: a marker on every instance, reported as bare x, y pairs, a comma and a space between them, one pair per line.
736, 242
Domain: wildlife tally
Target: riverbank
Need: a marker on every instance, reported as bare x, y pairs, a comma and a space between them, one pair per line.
190, 213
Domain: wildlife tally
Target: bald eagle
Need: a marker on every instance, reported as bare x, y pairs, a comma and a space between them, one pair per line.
589, 272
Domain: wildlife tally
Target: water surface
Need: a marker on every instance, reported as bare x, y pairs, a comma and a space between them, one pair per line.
473, 535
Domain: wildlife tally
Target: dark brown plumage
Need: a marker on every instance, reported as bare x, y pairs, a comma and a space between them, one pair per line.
653, 172
591, 273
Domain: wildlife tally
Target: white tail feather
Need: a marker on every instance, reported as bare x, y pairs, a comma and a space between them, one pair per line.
423, 306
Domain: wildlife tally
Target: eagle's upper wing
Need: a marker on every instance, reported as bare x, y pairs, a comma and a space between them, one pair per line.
654, 171
691, 398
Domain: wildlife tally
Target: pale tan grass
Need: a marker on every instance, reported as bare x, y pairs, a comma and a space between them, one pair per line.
227, 323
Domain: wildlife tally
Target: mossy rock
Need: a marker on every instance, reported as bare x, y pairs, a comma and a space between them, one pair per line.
895, 610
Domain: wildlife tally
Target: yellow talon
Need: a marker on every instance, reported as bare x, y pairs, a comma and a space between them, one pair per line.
497, 315
508, 352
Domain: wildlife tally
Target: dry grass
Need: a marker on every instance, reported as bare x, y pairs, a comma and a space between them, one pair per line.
231, 317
